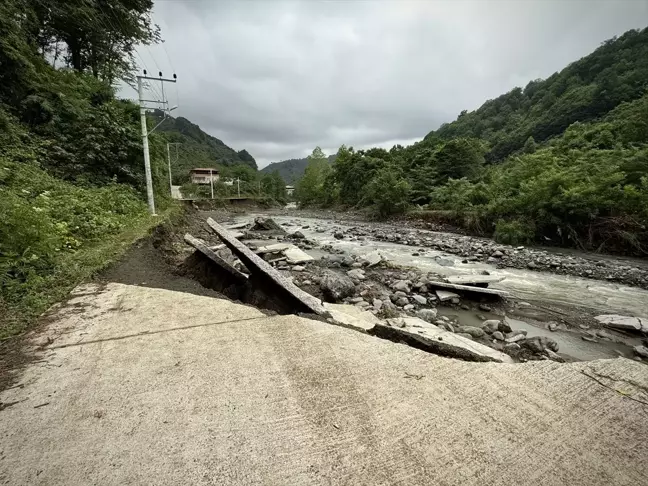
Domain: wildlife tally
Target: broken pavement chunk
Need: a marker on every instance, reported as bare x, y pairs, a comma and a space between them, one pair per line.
466, 288
261, 270
444, 295
625, 323
426, 336
351, 316
295, 255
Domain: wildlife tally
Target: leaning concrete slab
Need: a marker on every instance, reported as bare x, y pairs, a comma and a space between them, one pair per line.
467, 288
260, 269
426, 336
209, 253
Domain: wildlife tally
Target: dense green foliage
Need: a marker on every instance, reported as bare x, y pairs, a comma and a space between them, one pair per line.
71, 171
585, 90
563, 161
291, 170
196, 148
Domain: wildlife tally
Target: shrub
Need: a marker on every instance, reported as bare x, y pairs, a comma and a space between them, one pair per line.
514, 232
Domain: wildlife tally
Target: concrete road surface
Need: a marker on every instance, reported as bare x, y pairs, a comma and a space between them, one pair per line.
150, 386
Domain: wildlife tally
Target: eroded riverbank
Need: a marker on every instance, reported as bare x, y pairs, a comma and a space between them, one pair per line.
538, 298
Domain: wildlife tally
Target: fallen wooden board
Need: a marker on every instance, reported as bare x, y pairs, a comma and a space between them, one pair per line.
474, 279
304, 302
209, 253
467, 288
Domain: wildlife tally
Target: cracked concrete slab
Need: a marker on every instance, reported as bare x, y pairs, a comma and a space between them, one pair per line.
172, 388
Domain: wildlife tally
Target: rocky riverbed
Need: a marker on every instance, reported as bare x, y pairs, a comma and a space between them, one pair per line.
376, 283
628, 271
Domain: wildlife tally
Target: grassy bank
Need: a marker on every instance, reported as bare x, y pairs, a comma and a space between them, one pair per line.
71, 269
55, 234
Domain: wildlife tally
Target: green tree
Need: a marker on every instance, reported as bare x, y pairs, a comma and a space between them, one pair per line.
387, 191
529, 146
310, 188
462, 157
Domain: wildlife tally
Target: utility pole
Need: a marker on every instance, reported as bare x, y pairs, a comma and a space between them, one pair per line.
145, 132
169, 160
211, 181
238, 185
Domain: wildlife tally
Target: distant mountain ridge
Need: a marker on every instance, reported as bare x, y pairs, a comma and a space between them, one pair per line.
291, 170
197, 148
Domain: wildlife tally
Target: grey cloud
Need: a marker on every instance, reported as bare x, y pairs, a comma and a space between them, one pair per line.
278, 78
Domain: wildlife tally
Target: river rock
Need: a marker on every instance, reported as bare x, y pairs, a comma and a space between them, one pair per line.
504, 327
266, 224
356, 274
539, 344
515, 338
490, 326
298, 268
338, 235
419, 299
336, 287
402, 301
498, 335
474, 332
402, 285
428, 315
408, 307
377, 303
497, 254
554, 356
297, 235
512, 348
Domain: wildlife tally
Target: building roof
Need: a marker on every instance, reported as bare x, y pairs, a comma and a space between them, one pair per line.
203, 168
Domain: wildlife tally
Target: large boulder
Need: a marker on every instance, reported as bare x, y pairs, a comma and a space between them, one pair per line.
539, 344
490, 326
266, 224
336, 287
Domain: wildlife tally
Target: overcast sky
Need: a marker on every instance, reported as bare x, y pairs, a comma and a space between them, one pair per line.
280, 77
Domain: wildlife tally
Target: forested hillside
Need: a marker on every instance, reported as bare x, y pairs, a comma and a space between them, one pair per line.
585, 90
197, 148
563, 161
291, 170
71, 171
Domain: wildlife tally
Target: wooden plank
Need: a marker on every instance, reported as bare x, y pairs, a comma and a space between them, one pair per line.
303, 301
467, 288
209, 253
